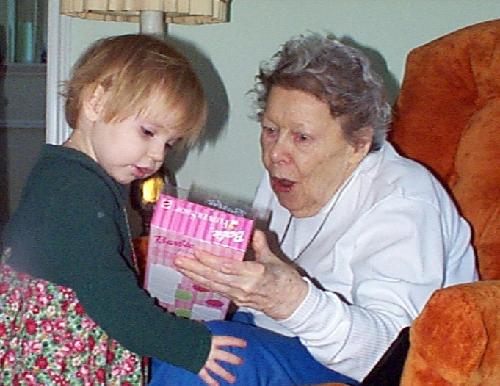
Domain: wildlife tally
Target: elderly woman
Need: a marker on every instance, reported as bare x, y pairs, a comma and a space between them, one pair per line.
364, 236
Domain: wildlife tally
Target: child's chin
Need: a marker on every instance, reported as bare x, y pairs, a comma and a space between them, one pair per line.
125, 181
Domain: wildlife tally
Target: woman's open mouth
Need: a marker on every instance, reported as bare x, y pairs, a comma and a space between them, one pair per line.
281, 185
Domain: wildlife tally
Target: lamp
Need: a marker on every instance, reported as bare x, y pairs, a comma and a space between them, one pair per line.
144, 194
151, 14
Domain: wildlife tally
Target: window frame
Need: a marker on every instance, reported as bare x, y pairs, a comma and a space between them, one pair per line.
58, 69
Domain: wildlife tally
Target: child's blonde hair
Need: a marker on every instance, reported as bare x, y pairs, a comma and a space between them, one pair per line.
132, 69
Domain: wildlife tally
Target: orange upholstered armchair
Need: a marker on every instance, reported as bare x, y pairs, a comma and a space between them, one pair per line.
447, 117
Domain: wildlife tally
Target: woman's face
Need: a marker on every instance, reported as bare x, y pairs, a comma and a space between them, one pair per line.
304, 150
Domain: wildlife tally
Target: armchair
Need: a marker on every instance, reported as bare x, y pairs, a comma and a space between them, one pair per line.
447, 117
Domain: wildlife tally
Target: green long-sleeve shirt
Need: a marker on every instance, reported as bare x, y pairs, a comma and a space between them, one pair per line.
70, 228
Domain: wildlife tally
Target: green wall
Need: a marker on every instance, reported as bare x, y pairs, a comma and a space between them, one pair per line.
227, 57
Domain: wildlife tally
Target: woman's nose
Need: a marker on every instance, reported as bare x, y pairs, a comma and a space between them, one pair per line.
279, 151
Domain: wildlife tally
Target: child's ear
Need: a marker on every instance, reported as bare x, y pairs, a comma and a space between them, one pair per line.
93, 102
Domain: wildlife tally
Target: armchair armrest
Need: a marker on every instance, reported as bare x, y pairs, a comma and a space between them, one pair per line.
456, 339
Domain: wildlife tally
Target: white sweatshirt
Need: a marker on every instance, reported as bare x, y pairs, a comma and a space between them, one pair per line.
392, 238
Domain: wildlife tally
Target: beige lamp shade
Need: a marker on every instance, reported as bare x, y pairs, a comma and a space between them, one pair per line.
174, 11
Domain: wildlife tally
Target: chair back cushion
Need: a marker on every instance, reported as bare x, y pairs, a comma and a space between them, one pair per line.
447, 117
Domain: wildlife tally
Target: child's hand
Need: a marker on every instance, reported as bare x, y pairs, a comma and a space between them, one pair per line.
217, 354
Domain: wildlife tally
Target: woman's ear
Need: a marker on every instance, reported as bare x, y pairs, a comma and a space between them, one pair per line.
93, 102
362, 146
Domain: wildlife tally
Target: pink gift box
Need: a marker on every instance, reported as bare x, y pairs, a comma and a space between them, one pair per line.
178, 226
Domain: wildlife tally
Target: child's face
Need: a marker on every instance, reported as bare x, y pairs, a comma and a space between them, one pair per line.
135, 147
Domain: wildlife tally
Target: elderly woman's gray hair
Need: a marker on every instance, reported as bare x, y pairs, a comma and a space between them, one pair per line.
335, 73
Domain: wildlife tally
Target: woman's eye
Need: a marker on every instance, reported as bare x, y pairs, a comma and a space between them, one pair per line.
302, 138
268, 130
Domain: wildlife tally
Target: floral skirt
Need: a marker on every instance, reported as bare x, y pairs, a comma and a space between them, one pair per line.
46, 338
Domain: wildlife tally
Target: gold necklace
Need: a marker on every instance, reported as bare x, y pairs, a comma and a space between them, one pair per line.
132, 249
144, 365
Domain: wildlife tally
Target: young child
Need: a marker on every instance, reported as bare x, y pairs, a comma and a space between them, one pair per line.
70, 306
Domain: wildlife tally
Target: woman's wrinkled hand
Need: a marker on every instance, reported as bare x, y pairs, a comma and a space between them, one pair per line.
217, 354
268, 284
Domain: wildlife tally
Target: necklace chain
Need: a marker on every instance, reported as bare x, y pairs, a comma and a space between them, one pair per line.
320, 228
313, 238
132, 249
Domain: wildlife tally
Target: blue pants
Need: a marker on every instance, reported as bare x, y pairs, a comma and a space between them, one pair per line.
269, 359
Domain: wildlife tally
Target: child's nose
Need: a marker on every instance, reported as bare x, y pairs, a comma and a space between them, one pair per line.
157, 152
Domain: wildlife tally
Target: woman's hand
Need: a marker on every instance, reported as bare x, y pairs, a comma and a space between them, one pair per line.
217, 354
267, 284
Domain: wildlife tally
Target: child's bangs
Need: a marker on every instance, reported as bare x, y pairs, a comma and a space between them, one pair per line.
186, 110
158, 94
